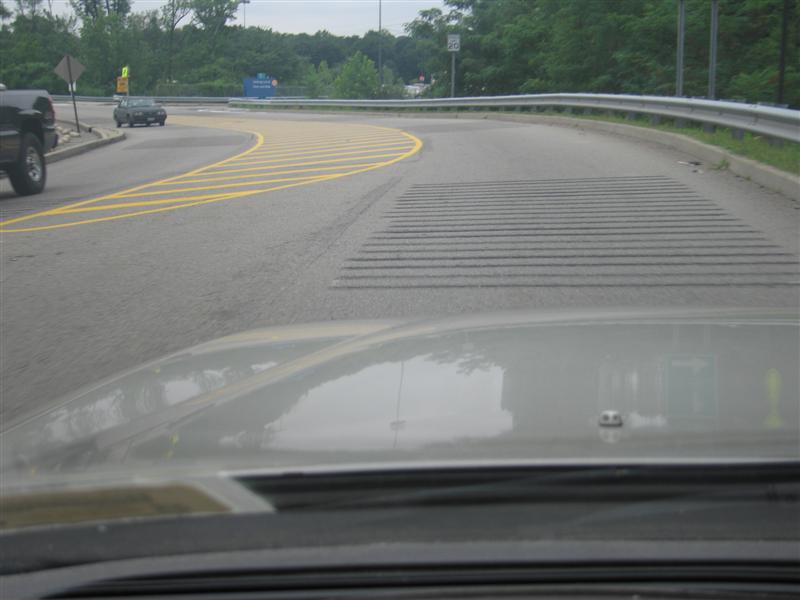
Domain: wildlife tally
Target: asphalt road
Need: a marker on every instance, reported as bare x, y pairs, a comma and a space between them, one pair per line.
224, 221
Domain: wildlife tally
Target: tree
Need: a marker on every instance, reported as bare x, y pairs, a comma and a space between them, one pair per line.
172, 13
212, 15
358, 78
28, 8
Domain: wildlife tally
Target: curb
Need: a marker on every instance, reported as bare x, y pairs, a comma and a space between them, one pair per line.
107, 136
759, 173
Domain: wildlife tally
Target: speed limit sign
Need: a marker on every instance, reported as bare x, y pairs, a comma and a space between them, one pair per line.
453, 43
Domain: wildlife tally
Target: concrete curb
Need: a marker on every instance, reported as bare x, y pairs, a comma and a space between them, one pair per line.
107, 136
764, 175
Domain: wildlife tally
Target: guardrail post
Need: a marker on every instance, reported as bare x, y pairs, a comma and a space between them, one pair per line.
709, 127
630, 116
655, 119
737, 134
681, 123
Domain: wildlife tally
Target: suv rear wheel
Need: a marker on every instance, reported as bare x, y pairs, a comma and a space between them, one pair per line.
29, 173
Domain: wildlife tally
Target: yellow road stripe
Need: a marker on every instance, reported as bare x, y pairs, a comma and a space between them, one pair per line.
259, 141
196, 200
391, 144
351, 139
224, 185
269, 150
259, 174
304, 164
366, 153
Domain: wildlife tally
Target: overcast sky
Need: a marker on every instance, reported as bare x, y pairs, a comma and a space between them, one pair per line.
340, 17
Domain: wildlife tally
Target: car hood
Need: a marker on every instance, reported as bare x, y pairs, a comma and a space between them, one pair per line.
524, 386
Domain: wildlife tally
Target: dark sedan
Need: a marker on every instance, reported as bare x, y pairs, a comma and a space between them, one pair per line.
139, 110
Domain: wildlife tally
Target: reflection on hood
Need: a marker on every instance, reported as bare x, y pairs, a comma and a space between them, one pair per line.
508, 387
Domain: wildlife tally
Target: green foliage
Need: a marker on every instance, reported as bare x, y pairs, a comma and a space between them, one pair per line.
358, 78
508, 47
318, 81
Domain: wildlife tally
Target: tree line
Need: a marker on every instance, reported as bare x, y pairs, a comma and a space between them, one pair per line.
194, 47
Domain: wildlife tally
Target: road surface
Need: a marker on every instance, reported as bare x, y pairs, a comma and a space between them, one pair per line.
224, 221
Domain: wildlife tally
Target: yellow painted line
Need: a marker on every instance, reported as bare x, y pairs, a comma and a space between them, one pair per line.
259, 174
270, 150
391, 144
304, 164
365, 152
330, 139
417, 144
224, 185
119, 205
55, 211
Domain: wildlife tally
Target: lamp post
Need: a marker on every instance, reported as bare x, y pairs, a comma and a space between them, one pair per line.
712, 51
380, 42
681, 41
244, 4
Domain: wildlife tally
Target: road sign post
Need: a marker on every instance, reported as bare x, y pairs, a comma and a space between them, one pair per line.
69, 70
453, 46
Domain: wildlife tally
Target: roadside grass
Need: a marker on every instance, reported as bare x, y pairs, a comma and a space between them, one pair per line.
781, 155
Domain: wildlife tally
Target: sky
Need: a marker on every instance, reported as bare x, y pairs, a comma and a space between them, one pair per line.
340, 17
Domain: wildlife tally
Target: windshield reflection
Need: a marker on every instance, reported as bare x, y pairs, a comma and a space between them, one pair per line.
536, 388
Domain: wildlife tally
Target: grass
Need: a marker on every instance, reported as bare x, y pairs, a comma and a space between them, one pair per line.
785, 156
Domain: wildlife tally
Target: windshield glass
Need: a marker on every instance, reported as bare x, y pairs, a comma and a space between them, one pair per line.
284, 237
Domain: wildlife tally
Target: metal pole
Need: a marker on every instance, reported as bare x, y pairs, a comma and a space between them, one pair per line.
452, 74
782, 57
244, 12
712, 52
72, 93
681, 38
380, 45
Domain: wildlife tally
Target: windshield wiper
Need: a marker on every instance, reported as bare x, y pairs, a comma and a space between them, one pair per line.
466, 486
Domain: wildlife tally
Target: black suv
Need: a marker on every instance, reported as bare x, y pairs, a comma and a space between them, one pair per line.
27, 131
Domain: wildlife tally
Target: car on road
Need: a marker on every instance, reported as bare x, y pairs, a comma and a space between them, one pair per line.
139, 110
27, 132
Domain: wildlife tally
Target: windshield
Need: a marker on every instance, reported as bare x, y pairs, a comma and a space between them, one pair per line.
335, 235
140, 102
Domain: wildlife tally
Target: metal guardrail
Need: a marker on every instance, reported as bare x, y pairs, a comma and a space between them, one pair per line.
164, 99
780, 123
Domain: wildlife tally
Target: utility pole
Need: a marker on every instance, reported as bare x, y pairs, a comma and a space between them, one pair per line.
782, 58
452, 74
712, 51
380, 43
244, 4
681, 38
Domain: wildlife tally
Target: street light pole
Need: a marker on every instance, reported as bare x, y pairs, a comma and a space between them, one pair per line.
681, 38
244, 4
380, 42
712, 53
